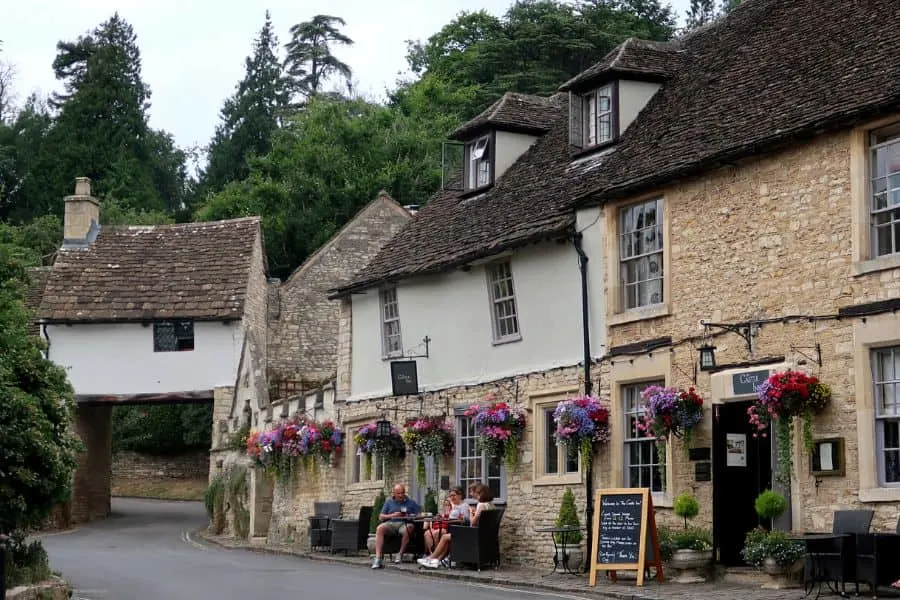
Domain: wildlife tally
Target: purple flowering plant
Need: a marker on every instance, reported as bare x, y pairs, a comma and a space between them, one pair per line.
500, 428
392, 448
580, 423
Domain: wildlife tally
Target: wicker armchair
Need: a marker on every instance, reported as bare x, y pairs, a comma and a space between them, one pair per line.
349, 535
320, 523
478, 545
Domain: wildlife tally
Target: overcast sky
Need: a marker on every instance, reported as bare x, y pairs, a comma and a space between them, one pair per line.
193, 50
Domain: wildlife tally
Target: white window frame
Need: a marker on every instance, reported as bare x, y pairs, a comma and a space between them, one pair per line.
884, 185
886, 397
505, 324
391, 335
551, 465
471, 465
633, 406
358, 466
597, 112
636, 253
479, 171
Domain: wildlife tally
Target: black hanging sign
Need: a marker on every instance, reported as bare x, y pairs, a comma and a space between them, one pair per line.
404, 378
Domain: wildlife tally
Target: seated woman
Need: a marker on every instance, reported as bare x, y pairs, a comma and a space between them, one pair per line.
458, 512
483, 495
434, 529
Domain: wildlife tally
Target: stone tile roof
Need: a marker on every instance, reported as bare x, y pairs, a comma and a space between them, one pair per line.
634, 58
34, 292
190, 270
528, 203
516, 112
768, 75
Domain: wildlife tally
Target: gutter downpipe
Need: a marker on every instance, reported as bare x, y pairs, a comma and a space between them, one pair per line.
586, 344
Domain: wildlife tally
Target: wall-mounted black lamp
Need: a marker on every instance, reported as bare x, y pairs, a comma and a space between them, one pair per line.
382, 429
707, 357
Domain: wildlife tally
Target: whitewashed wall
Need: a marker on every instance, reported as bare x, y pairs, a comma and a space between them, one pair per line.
453, 309
119, 358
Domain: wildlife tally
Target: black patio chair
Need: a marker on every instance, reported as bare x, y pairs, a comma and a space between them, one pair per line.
320, 523
349, 535
478, 546
834, 561
416, 545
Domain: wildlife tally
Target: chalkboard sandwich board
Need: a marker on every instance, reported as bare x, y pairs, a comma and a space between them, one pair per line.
625, 534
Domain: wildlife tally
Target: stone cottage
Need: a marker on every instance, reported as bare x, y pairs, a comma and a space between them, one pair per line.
749, 212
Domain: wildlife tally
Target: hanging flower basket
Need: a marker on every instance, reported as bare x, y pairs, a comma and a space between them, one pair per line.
428, 436
500, 428
670, 412
391, 448
278, 448
580, 423
780, 398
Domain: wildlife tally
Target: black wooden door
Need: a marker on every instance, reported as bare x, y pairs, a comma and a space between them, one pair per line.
742, 468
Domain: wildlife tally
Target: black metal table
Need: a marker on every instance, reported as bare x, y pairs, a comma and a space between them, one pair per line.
564, 533
821, 548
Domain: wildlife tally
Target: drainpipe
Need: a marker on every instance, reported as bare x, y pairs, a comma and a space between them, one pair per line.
586, 344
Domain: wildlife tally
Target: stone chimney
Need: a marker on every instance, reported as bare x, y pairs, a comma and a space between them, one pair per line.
82, 212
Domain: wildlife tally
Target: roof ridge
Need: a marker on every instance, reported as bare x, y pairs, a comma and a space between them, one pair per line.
498, 105
186, 225
622, 47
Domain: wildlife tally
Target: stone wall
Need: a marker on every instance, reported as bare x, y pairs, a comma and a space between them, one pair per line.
767, 239
303, 338
135, 465
529, 504
91, 486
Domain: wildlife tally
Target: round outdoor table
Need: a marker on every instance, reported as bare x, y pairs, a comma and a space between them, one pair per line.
564, 533
818, 547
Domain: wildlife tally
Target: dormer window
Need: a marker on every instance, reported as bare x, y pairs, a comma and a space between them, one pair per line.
592, 117
479, 171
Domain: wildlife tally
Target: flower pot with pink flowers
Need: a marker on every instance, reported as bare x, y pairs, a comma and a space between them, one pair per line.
581, 422
500, 428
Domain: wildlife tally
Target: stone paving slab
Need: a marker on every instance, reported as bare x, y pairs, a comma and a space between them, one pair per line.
522, 577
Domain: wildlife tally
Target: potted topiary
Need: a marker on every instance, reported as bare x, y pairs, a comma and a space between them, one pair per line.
568, 554
692, 546
771, 551
373, 522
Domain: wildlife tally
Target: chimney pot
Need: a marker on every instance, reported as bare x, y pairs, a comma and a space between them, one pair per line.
82, 216
82, 186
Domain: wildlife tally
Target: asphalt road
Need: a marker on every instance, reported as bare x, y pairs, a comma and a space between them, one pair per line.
144, 552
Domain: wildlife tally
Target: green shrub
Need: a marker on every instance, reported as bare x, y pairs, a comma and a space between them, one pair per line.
694, 538
686, 507
568, 516
431, 505
761, 544
376, 510
666, 539
770, 505
25, 563
213, 495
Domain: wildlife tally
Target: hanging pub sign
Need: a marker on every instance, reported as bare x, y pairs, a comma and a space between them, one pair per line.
404, 378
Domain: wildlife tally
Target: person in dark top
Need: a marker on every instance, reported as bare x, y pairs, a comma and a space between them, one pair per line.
394, 521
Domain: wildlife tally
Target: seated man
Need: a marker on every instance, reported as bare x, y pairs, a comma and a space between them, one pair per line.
394, 513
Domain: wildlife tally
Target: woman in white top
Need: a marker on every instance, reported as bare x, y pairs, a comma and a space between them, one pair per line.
483, 494
455, 511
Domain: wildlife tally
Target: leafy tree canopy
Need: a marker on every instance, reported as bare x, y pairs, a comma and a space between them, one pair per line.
37, 441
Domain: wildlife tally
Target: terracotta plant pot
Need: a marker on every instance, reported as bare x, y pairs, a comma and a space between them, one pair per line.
692, 565
370, 543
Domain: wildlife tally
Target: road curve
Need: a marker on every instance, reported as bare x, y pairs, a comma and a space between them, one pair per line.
143, 552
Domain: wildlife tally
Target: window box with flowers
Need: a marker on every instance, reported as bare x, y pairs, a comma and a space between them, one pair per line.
581, 422
780, 398
390, 449
670, 412
500, 428
428, 436
283, 445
